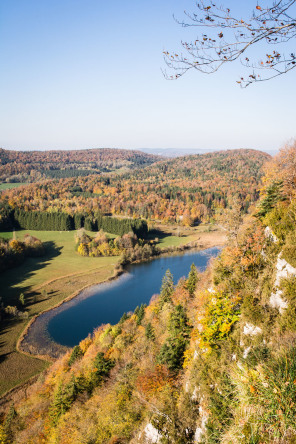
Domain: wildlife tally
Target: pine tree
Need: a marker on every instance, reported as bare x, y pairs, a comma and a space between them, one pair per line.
192, 280
149, 331
167, 287
76, 354
140, 314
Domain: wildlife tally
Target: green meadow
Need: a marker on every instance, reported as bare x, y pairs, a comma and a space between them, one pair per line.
8, 186
45, 282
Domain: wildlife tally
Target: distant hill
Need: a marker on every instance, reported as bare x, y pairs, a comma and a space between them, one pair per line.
190, 189
21, 166
180, 152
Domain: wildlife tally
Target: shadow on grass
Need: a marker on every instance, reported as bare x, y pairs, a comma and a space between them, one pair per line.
11, 286
11, 280
157, 234
15, 276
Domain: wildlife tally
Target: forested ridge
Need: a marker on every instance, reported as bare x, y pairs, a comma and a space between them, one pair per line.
210, 360
190, 189
21, 166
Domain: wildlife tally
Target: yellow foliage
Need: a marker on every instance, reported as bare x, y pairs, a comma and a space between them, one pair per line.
3, 436
188, 358
85, 343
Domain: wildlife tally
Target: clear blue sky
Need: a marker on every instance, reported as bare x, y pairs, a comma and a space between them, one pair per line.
87, 73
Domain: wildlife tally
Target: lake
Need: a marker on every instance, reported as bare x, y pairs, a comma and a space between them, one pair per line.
106, 303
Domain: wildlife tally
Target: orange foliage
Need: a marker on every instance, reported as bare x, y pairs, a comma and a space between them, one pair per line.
152, 381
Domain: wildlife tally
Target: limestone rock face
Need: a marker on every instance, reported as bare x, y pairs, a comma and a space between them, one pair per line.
151, 434
251, 330
283, 270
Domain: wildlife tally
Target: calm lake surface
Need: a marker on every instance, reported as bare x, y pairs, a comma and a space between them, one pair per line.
106, 303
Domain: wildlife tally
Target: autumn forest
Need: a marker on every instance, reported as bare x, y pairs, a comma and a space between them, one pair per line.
211, 358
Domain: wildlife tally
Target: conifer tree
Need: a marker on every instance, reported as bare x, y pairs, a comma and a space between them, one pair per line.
167, 287
192, 280
149, 331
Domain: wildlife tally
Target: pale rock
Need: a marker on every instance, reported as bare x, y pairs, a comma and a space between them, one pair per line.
240, 365
251, 330
195, 393
246, 352
199, 432
283, 270
268, 233
198, 435
276, 301
152, 435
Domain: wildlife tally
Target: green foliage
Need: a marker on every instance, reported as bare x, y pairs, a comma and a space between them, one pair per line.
6, 217
140, 313
273, 195
121, 226
222, 312
123, 318
63, 398
149, 332
11, 415
273, 392
167, 288
102, 367
179, 322
76, 354
279, 221
221, 405
288, 318
192, 280
289, 249
172, 351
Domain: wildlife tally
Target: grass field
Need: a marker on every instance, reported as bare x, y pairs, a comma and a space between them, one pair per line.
60, 273
48, 280
8, 186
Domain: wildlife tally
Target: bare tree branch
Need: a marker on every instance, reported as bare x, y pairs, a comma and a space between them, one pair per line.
228, 38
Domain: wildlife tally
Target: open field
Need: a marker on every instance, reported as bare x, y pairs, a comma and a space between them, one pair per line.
48, 280
205, 235
8, 186
45, 281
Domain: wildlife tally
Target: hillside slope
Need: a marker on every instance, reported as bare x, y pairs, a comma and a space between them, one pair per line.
21, 166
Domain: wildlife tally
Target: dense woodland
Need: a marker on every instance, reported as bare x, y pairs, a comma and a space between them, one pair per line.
188, 190
31, 166
210, 360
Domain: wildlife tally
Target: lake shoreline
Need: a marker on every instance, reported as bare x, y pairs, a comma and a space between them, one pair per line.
51, 350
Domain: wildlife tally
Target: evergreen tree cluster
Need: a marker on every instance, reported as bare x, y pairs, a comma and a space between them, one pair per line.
43, 221
6, 217
121, 226
111, 225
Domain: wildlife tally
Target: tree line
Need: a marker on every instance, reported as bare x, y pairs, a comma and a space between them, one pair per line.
60, 221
